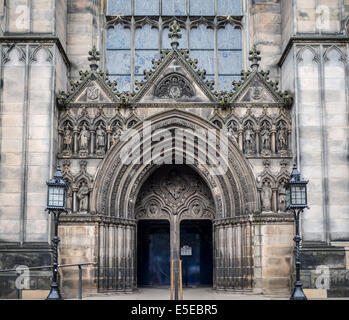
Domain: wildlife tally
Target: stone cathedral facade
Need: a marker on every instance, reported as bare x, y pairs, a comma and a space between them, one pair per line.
127, 95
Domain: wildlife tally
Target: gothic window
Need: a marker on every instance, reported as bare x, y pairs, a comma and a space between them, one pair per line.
229, 56
119, 49
174, 7
138, 30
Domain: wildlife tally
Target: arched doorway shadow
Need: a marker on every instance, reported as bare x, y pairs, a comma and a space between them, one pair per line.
118, 185
174, 210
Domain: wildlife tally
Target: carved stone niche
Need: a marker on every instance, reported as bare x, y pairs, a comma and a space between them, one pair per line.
174, 86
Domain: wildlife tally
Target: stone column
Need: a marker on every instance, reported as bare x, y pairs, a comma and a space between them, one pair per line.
238, 256
76, 143
274, 200
101, 275
115, 257
258, 151
234, 260
93, 142
230, 257
273, 139
75, 204
289, 141
241, 140
120, 256
111, 256
109, 132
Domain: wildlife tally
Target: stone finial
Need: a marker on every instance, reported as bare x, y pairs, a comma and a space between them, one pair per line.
94, 57
255, 58
174, 34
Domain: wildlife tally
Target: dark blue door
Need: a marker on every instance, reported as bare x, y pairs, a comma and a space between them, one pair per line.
153, 258
196, 252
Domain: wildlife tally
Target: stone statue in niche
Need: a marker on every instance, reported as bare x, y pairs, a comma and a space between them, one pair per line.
266, 196
82, 195
84, 137
100, 140
116, 135
266, 141
233, 131
282, 197
282, 138
69, 196
250, 142
67, 141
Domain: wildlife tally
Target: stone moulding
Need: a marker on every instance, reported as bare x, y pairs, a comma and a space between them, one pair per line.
263, 218
92, 219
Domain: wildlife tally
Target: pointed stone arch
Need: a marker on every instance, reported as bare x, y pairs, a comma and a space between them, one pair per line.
117, 184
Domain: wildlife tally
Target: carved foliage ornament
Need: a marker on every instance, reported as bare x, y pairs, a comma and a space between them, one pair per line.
174, 86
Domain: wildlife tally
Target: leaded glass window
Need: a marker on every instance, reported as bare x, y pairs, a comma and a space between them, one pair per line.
138, 30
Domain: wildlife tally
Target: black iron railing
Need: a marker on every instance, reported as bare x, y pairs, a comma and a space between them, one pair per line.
79, 265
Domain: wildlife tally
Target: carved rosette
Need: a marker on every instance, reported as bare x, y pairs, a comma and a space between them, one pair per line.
174, 86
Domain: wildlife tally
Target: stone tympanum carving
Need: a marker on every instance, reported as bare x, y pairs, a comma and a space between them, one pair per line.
182, 193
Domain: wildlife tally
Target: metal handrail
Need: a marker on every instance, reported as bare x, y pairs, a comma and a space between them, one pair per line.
18, 291
49, 267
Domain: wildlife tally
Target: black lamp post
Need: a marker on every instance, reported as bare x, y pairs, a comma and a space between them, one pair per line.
296, 201
56, 197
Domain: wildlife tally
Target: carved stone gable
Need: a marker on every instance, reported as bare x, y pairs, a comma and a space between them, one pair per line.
174, 78
93, 93
256, 92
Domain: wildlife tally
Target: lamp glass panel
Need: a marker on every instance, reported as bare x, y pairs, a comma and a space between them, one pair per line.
298, 195
56, 196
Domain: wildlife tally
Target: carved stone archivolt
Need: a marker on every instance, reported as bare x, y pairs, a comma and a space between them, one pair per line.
174, 190
116, 186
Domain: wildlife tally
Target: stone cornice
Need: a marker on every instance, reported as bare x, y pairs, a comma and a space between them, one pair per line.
307, 38
37, 39
263, 218
92, 219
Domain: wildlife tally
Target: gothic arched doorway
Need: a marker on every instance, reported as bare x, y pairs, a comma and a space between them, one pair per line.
174, 210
